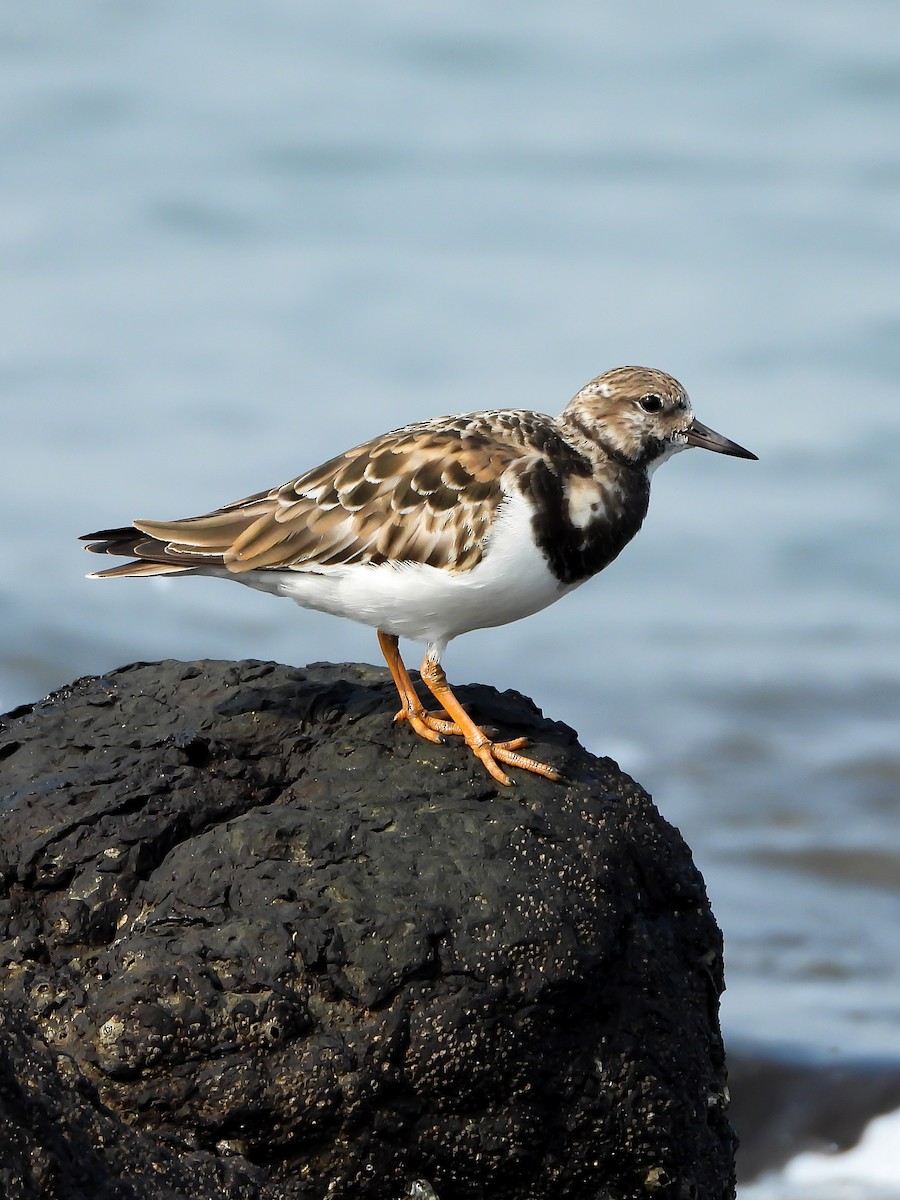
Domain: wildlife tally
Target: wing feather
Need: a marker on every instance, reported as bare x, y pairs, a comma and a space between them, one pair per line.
427, 493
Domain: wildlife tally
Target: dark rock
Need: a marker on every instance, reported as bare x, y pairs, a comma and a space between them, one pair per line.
284, 947
58, 1140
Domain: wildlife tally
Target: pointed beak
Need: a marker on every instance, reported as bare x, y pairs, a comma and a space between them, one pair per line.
701, 435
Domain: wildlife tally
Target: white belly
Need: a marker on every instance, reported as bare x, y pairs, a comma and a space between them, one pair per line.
425, 603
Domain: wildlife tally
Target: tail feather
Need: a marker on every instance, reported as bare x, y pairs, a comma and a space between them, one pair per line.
141, 567
152, 555
107, 536
215, 532
185, 547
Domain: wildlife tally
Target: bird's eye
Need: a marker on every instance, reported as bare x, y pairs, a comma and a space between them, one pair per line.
651, 404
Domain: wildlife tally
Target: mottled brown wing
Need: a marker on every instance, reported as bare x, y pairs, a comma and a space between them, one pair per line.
425, 494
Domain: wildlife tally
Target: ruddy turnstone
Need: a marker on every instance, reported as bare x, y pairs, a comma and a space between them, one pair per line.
443, 526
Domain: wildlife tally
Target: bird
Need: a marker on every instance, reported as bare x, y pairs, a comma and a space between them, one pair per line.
444, 526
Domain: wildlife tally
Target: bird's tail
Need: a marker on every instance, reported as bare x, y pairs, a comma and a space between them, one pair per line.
185, 547
151, 556
192, 546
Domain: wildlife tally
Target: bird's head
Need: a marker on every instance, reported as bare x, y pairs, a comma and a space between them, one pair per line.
642, 416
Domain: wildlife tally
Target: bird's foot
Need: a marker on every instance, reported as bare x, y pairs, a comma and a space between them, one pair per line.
439, 722
480, 740
492, 754
435, 726
432, 726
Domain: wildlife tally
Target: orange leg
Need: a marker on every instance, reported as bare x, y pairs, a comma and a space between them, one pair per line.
490, 753
430, 726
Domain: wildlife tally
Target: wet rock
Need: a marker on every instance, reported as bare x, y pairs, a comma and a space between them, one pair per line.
58, 1140
296, 951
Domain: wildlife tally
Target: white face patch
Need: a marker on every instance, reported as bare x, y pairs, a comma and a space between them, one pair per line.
671, 449
587, 501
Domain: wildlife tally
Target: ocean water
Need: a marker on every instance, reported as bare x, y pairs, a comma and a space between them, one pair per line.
238, 239
868, 1171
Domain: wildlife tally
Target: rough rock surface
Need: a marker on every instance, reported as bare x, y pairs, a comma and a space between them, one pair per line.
258, 941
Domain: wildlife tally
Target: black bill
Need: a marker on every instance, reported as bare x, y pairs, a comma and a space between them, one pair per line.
701, 435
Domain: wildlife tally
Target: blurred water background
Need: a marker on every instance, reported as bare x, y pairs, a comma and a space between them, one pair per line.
237, 239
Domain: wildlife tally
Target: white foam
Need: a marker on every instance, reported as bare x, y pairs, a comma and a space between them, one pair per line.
868, 1171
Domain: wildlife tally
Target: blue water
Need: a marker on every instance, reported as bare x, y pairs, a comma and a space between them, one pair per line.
237, 239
